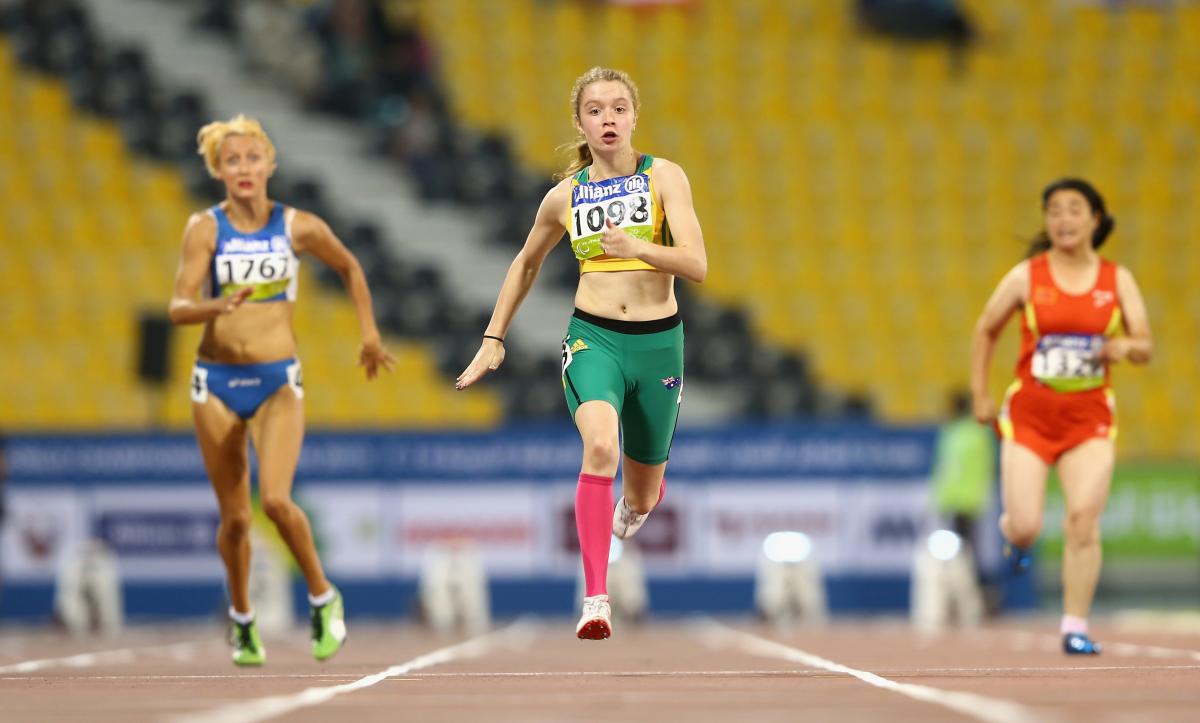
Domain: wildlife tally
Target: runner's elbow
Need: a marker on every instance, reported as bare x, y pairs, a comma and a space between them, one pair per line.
526, 267
985, 332
175, 311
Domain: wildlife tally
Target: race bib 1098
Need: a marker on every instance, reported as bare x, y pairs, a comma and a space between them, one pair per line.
626, 201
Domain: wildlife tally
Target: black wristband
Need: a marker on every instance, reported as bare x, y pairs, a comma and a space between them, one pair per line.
489, 336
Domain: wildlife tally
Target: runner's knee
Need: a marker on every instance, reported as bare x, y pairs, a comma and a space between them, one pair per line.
1082, 527
601, 452
277, 507
234, 525
1023, 530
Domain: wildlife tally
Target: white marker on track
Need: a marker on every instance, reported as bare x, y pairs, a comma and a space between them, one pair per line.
260, 709
979, 707
100, 657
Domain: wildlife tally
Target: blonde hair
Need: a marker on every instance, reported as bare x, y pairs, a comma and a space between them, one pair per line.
211, 136
598, 74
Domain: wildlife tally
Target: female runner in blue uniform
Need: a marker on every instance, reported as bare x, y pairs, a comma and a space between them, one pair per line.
247, 381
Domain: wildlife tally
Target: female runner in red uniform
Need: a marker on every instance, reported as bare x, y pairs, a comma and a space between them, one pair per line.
1060, 409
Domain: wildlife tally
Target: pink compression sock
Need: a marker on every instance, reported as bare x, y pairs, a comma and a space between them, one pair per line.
1072, 624
662, 492
593, 521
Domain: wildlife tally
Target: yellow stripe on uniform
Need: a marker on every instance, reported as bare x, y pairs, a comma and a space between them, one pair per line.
1004, 419
1031, 319
1115, 323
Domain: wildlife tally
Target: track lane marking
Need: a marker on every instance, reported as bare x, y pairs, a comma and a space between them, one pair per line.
980, 707
1022, 640
260, 709
178, 651
962, 672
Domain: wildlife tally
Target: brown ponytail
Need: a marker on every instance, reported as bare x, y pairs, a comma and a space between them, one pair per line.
582, 159
583, 153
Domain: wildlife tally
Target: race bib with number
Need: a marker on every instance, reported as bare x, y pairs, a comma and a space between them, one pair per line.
626, 201
1069, 362
266, 265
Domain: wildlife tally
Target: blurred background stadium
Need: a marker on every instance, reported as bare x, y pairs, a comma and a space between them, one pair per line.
865, 172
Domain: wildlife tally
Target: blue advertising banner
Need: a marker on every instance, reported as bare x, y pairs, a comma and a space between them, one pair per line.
535, 452
381, 503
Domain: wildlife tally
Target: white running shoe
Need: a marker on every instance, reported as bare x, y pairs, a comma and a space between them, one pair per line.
626, 522
596, 621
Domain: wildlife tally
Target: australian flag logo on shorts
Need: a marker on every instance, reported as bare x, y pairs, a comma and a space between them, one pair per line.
671, 382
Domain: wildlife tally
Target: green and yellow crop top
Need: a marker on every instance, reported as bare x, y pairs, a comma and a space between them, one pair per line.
629, 202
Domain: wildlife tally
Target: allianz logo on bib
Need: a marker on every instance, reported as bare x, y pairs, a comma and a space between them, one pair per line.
601, 190
244, 382
635, 184
249, 245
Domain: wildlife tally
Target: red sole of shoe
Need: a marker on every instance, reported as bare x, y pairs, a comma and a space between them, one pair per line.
594, 630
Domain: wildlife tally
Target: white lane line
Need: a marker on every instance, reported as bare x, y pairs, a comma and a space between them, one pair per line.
1132, 650
993, 710
1036, 669
100, 657
898, 672
1150, 651
1177, 622
215, 676
260, 709
771, 673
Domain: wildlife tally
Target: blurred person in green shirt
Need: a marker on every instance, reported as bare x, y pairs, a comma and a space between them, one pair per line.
963, 477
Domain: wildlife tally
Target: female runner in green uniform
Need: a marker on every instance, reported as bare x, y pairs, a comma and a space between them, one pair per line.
623, 353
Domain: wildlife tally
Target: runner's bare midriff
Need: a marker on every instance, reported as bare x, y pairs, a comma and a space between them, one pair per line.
627, 295
252, 334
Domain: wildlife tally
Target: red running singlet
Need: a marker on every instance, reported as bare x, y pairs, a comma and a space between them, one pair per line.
1061, 397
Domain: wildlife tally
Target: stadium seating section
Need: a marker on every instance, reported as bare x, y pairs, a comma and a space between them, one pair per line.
861, 197
91, 237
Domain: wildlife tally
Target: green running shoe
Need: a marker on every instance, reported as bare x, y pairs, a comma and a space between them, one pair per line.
247, 646
328, 627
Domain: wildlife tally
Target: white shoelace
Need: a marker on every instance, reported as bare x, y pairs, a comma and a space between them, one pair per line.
596, 607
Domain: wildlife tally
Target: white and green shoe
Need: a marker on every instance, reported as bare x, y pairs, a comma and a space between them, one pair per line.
328, 627
247, 646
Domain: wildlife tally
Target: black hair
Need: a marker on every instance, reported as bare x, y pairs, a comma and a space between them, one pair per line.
1041, 242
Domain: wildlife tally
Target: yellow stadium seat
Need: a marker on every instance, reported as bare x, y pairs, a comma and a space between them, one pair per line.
68, 185
897, 175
